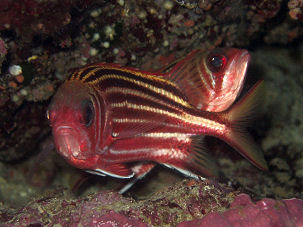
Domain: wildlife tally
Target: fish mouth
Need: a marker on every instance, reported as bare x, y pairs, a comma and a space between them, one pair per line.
239, 68
67, 142
243, 60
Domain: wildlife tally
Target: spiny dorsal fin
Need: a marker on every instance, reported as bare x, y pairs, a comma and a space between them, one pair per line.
188, 76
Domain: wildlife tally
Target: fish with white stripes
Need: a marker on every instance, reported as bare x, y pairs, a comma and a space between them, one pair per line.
119, 121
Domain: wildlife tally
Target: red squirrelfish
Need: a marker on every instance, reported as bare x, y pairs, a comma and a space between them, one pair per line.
212, 81
119, 121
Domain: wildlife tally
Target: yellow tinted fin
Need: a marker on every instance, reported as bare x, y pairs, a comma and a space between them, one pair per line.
239, 116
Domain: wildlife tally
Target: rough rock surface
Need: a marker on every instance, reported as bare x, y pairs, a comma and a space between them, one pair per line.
47, 39
185, 201
201, 203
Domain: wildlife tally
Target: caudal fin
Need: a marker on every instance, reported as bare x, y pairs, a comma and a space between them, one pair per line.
239, 116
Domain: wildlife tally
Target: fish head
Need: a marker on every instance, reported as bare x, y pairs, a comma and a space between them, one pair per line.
226, 68
72, 115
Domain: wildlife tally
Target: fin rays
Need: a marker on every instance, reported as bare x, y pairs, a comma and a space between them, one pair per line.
239, 116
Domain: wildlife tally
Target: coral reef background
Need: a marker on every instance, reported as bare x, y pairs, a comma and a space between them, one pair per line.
42, 41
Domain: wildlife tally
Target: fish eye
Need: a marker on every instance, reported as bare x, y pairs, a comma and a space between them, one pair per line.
88, 112
216, 62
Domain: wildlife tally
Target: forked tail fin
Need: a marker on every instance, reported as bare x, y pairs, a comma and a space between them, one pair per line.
239, 116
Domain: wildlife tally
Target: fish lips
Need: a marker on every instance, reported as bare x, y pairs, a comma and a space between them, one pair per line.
70, 144
241, 62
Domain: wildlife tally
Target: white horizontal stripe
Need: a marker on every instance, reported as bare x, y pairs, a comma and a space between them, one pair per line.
155, 89
173, 153
130, 120
129, 91
133, 151
185, 117
168, 135
143, 121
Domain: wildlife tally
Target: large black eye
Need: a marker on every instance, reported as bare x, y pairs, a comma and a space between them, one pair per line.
216, 62
88, 113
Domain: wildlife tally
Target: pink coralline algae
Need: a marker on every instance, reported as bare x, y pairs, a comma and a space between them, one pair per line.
115, 219
187, 200
190, 203
265, 213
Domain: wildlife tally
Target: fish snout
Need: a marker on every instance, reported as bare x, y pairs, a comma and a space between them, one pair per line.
237, 71
68, 142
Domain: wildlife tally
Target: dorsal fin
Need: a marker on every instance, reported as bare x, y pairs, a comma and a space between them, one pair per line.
189, 78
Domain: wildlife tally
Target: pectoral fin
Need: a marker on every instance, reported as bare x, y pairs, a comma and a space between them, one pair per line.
115, 170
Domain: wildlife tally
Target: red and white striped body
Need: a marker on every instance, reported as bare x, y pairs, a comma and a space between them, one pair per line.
112, 120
